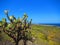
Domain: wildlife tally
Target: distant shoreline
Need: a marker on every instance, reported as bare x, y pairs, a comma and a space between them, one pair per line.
57, 25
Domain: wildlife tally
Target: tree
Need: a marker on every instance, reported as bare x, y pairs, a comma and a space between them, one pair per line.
17, 29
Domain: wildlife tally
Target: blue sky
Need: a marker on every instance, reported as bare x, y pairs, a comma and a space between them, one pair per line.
41, 11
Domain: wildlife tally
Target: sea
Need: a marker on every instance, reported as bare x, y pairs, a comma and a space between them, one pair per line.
52, 24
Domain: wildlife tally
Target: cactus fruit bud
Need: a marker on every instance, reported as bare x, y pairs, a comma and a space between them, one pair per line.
6, 12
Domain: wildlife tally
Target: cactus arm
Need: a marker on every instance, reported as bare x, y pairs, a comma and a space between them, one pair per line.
10, 34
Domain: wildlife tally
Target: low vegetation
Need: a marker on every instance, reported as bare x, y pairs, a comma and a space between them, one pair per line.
46, 35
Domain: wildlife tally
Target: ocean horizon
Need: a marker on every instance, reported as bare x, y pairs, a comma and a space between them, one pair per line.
50, 24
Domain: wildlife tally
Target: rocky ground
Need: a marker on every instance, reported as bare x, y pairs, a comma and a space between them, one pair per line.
20, 43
